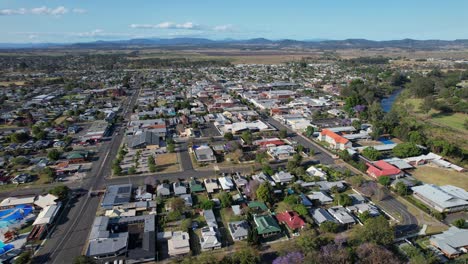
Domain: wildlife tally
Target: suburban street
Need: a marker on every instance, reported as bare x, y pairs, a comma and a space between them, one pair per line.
73, 227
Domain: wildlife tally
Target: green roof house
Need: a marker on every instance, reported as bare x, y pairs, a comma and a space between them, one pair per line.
256, 205
266, 225
77, 157
196, 186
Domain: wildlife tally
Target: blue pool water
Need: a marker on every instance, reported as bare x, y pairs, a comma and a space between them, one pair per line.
14, 215
386, 141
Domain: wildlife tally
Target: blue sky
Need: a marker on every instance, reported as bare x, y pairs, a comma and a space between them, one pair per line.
90, 20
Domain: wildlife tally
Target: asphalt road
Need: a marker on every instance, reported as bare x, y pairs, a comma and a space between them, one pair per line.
322, 156
69, 238
408, 223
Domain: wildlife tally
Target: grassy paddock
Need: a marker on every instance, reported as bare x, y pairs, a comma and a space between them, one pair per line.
439, 176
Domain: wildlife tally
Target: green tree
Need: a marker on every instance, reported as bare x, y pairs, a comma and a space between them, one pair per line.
426, 104
371, 153
19, 137
207, 204
309, 131
291, 199
151, 164
177, 204
83, 260
460, 223
384, 180
20, 161
300, 209
364, 216
186, 224
228, 136
60, 191
244, 256
357, 124
247, 137
401, 188
267, 169
225, 199
264, 192
116, 169
49, 172
132, 170
170, 147
407, 149
53, 154
343, 199
261, 157
283, 133
252, 237
23, 258
376, 230
329, 227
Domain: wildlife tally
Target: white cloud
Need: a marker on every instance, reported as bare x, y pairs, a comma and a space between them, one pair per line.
43, 10
168, 25
223, 28
10, 12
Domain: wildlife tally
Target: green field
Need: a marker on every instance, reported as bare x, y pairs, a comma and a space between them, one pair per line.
454, 121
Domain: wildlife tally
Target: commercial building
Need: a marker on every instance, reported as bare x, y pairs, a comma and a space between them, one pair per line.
443, 199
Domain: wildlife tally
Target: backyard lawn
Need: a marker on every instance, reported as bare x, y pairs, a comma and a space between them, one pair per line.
439, 176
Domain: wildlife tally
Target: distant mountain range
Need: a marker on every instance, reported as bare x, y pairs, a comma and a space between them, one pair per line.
256, 43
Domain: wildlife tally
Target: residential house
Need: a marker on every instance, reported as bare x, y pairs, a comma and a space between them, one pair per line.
211, 185
142, 194
258, 206
77, 157
209, 238
452, 242
240, 181
291, 219
321, 215
316, 172
382, 168
239, 230
204, 154
361, 208
226, 183
179, 188
179, 244
283, 177
281, 152
320, 197
163, 189
340, 214
266, 225
210, 218
334, 140
196, 186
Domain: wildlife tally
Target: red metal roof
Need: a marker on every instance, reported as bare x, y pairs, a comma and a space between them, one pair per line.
337, 138
382, 168
292, 219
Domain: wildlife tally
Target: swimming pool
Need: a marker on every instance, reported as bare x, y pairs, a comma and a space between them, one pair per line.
386, 141
14, 215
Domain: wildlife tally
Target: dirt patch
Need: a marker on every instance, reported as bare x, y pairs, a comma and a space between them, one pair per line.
167, 162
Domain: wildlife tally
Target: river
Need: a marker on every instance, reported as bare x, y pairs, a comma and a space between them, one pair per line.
387, 102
